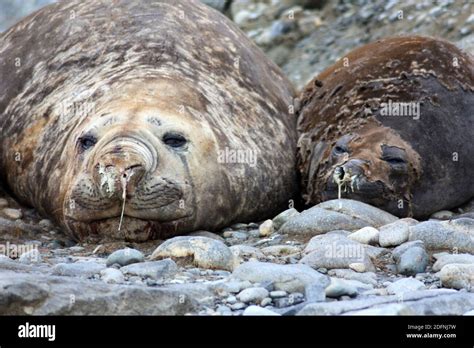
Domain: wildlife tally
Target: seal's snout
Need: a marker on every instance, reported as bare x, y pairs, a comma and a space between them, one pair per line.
119, 162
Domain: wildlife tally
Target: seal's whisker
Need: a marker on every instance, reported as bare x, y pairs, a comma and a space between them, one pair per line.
123, 181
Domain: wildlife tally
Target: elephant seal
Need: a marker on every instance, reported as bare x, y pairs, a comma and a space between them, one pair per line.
391, 124
143, 120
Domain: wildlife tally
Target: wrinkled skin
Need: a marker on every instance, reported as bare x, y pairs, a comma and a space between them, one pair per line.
124, 108
408, 165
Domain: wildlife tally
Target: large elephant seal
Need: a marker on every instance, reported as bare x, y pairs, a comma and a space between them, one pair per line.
391, 124
143, 119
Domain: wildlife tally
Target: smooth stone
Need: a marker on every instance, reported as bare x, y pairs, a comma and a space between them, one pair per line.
315, 221
202, 252
395, 233
125, 257
112, 276
413, 261
457, 276
335, 251
237, 306
283, 217
314, 293
31, 257
290, 278
366, 235
405, 285
266, 301
340, 287
244, 252
367, 277
278, 293
401, 249
43, 295
3, 203
257, 310
442, 215
425, 302
446, 259
254, 295
231, 299
78, 269
291, 300
280, 250
358, 267
375, 217
207, 235
266, 228
237, 235
152, 269
455, 234
12, 214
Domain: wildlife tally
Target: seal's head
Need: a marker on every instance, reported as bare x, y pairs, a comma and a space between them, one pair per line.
374, 165
139, 165
389, 124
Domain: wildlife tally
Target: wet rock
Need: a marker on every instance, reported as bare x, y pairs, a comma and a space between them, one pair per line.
254, 295
283, 217
366, 235
335, 251
395, 233
290, 278
200, 251
78, 269
457, 276
32, 256
266, 228
444, 259
452, 235
152, 269
112, 276
256, 310
405, 285
125, 257
373, 216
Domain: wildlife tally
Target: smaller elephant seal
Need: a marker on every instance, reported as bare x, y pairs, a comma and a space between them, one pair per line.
139, 120
391, 124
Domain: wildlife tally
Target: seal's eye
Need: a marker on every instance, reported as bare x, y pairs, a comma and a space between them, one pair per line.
174, 140
394, 160
87, 141
339, 150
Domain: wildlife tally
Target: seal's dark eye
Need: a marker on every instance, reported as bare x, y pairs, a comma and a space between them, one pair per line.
339, 150
394, 160
174, 140
87, 141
